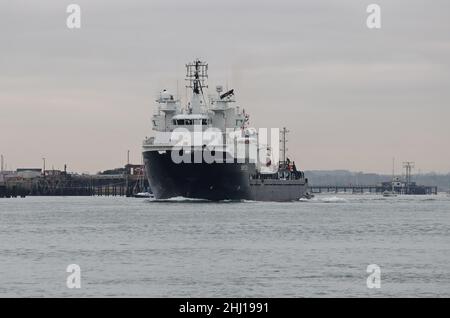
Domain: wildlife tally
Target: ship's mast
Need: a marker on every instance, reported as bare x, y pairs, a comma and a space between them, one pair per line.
196, 77
283, 145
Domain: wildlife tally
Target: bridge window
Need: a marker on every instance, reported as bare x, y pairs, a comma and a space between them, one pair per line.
181, 122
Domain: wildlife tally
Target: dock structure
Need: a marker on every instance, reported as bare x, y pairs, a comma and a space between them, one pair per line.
13, 192
344, 188
60, 183
375, 189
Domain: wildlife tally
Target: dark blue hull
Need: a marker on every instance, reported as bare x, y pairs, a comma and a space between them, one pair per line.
215, 181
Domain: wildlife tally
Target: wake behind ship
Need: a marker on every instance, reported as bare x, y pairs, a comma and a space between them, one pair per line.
206, 150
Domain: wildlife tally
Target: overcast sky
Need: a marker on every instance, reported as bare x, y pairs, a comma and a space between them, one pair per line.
352, 97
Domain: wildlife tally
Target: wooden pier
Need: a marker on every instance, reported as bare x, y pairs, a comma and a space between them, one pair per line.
63, 184
14, 192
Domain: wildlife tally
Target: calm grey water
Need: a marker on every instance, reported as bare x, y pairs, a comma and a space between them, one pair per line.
134, 247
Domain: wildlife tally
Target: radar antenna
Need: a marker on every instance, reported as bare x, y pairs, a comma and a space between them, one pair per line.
196, 77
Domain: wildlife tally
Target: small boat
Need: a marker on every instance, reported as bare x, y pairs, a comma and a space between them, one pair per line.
140, 186
389, 194
144, 195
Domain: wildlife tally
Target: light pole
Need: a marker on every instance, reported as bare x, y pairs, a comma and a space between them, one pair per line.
127, 171
43, 171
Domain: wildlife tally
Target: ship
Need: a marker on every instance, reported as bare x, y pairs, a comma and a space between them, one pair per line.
206, 149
